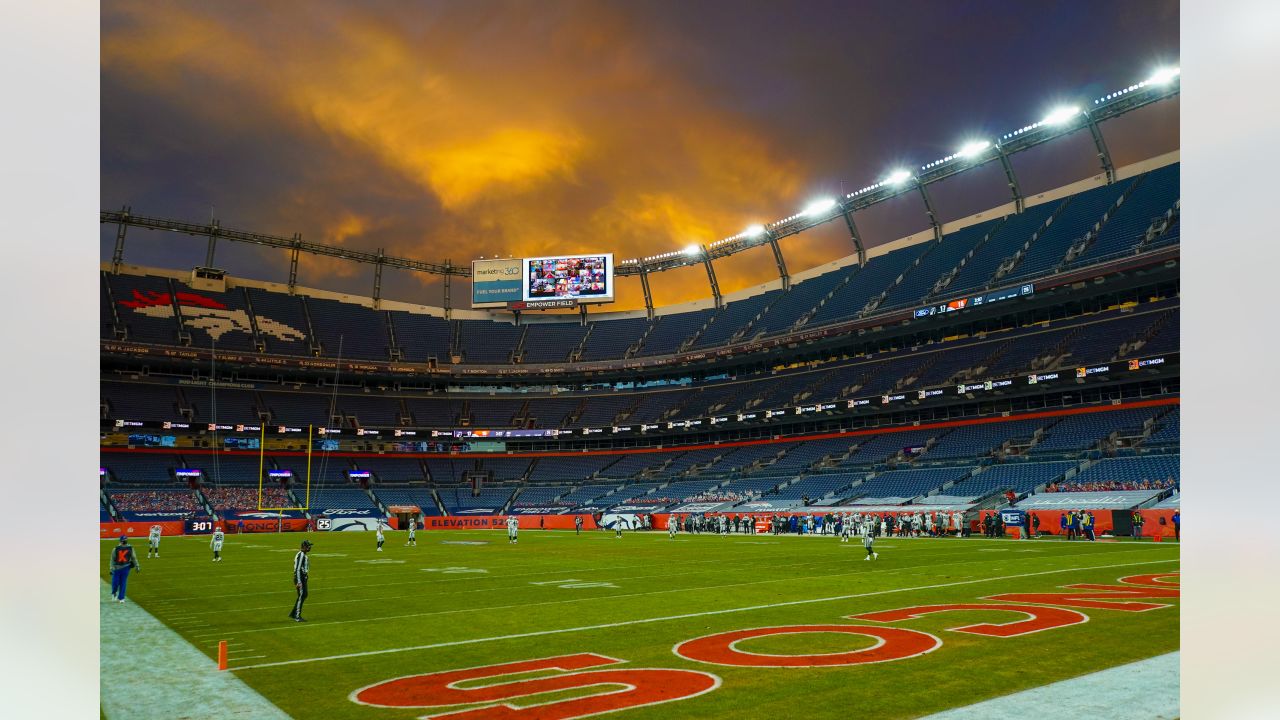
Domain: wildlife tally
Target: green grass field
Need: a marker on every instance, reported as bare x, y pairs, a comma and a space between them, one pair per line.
468, 598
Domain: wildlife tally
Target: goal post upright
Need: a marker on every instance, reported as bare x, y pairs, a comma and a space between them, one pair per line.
262, 449
307, 502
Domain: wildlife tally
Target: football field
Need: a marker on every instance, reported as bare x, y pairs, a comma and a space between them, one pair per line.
703, 626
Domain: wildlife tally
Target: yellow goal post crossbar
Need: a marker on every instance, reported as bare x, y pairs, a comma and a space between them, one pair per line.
262, 450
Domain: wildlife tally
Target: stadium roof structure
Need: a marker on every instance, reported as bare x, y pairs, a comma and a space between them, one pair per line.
1060, 122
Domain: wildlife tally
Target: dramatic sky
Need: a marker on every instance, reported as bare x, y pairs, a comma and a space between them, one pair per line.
464, 129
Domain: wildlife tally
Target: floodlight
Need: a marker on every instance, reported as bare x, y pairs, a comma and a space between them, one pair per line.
898, 177
1164, 75
692, 250
1061, 115
818, 207
973, 148
754, 231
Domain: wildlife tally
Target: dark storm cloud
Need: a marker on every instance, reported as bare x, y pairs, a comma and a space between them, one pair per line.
457, 130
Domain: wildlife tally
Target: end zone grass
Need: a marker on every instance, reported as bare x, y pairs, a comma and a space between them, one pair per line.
468, 598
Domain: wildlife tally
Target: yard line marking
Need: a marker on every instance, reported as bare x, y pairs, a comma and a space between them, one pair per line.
528, 605
641, 621
378, 598
838, 562
950, 549
362, 573
433, 581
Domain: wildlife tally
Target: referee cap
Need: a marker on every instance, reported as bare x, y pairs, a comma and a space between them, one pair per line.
306, 543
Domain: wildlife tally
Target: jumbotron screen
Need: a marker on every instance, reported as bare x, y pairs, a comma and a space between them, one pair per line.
586, 278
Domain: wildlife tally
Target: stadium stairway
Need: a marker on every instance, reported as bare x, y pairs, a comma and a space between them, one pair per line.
986, 231
312, 339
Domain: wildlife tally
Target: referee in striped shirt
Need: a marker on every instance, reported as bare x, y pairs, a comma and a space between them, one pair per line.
301, 565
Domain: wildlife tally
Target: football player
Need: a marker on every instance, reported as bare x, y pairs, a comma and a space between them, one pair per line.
513, 529
153, 541
216, 544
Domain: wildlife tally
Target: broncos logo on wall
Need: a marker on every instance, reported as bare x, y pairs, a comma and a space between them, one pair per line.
208, 314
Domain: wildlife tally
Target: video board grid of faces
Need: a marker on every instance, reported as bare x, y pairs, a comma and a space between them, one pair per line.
586, 277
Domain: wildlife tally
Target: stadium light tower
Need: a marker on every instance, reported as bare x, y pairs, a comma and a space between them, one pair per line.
695, 251
819, 207
1061, 115
754, 231
897, 177
846, 210
1164, 76
973, 149
1012, 179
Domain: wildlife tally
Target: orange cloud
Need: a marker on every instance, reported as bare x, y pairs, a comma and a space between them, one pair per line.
578, 138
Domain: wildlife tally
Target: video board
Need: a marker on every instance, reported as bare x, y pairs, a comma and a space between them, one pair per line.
584, 278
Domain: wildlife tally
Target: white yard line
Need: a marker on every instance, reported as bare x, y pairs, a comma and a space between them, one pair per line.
665, 618
508, 588
149, 671
594, 598
558, 571
1143, 690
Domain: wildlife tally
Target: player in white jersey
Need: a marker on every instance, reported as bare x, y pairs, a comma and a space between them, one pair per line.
153, 541
869, 542
513, 529
846, 527
413, 538
216, 544
380, 537
673, 526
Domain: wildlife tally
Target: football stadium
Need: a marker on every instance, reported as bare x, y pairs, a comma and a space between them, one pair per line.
938, 476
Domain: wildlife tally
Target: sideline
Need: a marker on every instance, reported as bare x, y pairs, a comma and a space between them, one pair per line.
148, 671
641, 621
1142, 690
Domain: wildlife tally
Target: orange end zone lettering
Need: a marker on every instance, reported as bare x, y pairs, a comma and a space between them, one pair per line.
1100, 597
1155, 580
639, 687
894, 644
1038, 618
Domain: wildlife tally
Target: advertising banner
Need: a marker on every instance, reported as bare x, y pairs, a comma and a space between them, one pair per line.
247, 515
337, 512
499, 522
496, 282
265, 526
1012, 516
153, 516
138, 529
343, 524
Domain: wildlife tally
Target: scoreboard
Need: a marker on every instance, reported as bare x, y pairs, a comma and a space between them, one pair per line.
198, 527
558, 281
